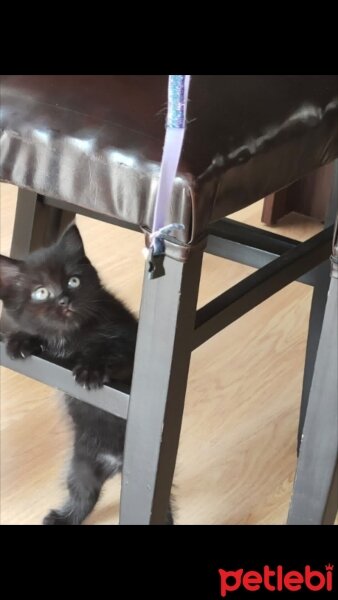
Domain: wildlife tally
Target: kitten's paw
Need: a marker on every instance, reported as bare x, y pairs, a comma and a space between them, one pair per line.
56, 517
89, 376
22, 345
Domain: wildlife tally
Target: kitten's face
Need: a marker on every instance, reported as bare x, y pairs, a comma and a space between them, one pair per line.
55, 291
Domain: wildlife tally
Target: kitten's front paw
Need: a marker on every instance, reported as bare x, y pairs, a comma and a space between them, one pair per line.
90, 376
21, 345
55, 517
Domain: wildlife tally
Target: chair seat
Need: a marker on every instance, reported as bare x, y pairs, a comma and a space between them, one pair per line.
96, 141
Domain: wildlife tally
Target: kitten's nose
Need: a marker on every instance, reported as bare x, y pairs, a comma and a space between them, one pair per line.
64, 301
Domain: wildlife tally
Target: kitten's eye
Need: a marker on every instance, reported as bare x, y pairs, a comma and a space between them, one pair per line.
40, 294
74, 282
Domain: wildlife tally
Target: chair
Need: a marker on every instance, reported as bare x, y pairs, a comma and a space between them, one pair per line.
92, 145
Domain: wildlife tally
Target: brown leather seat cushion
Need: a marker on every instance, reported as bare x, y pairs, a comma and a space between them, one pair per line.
96, 141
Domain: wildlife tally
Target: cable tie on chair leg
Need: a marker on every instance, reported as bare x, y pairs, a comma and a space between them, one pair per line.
156, 252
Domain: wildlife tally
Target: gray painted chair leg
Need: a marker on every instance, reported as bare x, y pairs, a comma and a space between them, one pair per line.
315, 492
317, 310
36, 224
156, 405
318, 304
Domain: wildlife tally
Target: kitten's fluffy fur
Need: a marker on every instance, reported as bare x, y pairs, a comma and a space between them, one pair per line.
74, 321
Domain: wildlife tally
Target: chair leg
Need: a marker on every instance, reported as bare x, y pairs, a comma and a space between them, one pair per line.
317, 311
36, 224
318, 304
315, 492
163, 350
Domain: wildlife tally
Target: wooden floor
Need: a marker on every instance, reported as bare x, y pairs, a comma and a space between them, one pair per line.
237, 452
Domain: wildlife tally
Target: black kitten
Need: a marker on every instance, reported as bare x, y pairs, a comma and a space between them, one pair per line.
60, 308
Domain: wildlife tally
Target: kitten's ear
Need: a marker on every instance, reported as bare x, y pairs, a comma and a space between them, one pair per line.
10, 275
71, 242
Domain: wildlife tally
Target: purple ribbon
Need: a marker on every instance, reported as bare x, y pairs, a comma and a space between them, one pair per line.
178, 87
